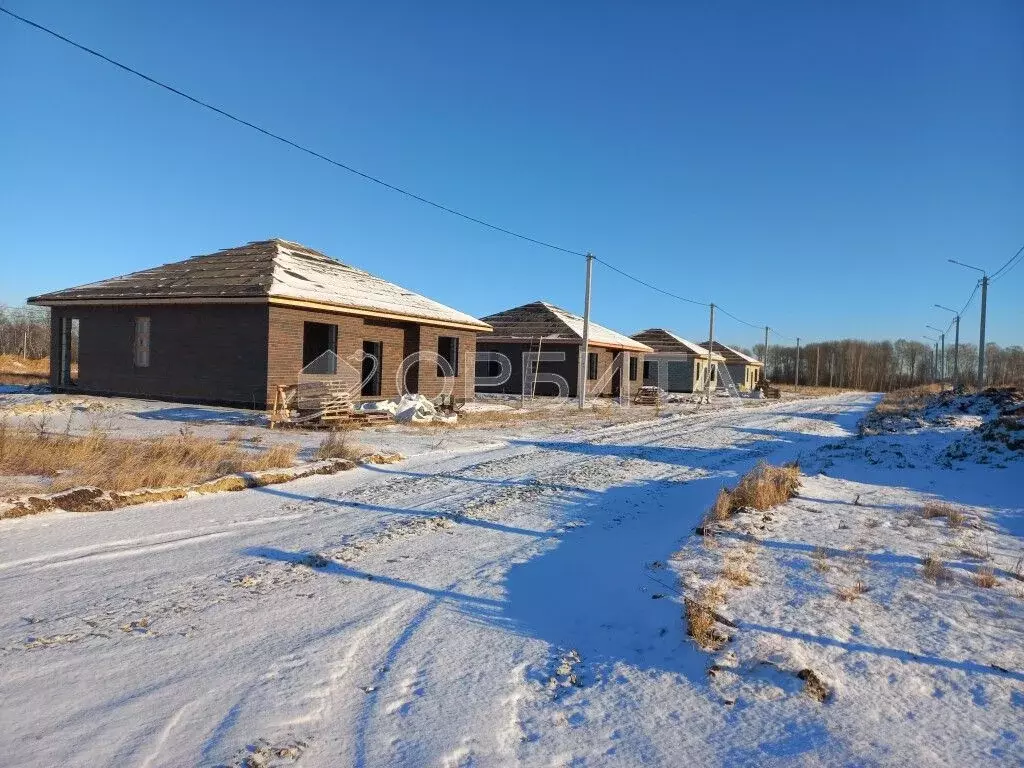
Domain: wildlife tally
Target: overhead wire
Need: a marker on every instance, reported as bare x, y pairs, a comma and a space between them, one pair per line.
291, 143
649, 285
1012, 262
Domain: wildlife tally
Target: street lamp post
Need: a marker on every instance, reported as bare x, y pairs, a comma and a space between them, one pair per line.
935, 357
956, 345
942, 358
984, 307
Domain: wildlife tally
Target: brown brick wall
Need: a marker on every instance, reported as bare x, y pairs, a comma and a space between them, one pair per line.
198, 353
429, 382
400, 340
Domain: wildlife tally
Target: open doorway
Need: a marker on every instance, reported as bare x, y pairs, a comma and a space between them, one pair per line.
317, 339
373, 361
67, 352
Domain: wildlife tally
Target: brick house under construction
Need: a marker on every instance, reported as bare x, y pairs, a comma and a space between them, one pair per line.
229, 327
540, 327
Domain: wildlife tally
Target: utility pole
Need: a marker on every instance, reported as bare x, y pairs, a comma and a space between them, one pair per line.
935, 357
984, 307
981, 344
942, 358
765, 360
817, 364
711, 344
796, 375
956, 345
585, 347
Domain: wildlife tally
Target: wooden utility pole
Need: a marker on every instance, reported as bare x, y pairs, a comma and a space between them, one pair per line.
817, 364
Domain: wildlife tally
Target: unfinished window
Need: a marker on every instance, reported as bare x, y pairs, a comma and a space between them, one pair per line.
592, 365
67, 351
448, 349
647, 369
373, 361
142, 342
317, 340
632, 368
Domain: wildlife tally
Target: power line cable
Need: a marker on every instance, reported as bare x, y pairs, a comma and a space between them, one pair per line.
289, 142
727, 313
344, 166
1009, 265
652, 287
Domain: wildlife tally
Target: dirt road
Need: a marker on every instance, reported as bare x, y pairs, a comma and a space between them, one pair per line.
478, 604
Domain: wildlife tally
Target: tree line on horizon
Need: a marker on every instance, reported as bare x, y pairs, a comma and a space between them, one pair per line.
883, 366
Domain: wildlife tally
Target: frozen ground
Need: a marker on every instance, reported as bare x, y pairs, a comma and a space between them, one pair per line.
509, 596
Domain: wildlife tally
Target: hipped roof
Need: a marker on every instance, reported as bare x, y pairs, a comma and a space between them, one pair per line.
732, 355
278, 271
663, 340
541, 320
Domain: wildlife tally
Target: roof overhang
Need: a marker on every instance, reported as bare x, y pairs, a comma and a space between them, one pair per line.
474, 325
641, 348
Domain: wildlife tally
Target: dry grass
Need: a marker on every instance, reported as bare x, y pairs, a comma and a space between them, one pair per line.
763, 487
954, 515
737, 574
985, 578
118, 464
809, 390
337, 445
14, 369
699, 616
933, 569
819, 559
851, 593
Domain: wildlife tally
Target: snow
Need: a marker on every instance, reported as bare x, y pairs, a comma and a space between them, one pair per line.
512, 597
598, 334
301, 274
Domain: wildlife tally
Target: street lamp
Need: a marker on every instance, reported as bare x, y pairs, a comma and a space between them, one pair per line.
935, 357
984, 303
956, 345
942, 357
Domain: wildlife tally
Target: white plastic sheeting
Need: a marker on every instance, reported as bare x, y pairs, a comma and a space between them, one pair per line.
414, 409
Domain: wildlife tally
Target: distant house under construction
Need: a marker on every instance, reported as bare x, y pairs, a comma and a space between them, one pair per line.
232, 326
557, 336
676, 364
745, 370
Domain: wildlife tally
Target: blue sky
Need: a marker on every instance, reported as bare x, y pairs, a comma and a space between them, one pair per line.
805, 165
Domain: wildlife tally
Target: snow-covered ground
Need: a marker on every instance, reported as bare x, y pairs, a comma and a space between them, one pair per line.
510, 596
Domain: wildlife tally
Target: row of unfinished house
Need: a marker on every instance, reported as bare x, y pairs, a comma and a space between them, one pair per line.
234, 326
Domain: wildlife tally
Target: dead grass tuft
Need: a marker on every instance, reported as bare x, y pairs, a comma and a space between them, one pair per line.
699, 615
738, 574
985, 578
119, 464
954, 515
763, 487
851, 593
819, 559
814, 686
933, 569
337, 445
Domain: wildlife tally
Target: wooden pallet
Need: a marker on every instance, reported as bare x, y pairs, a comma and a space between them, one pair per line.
647, 396
321, 404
